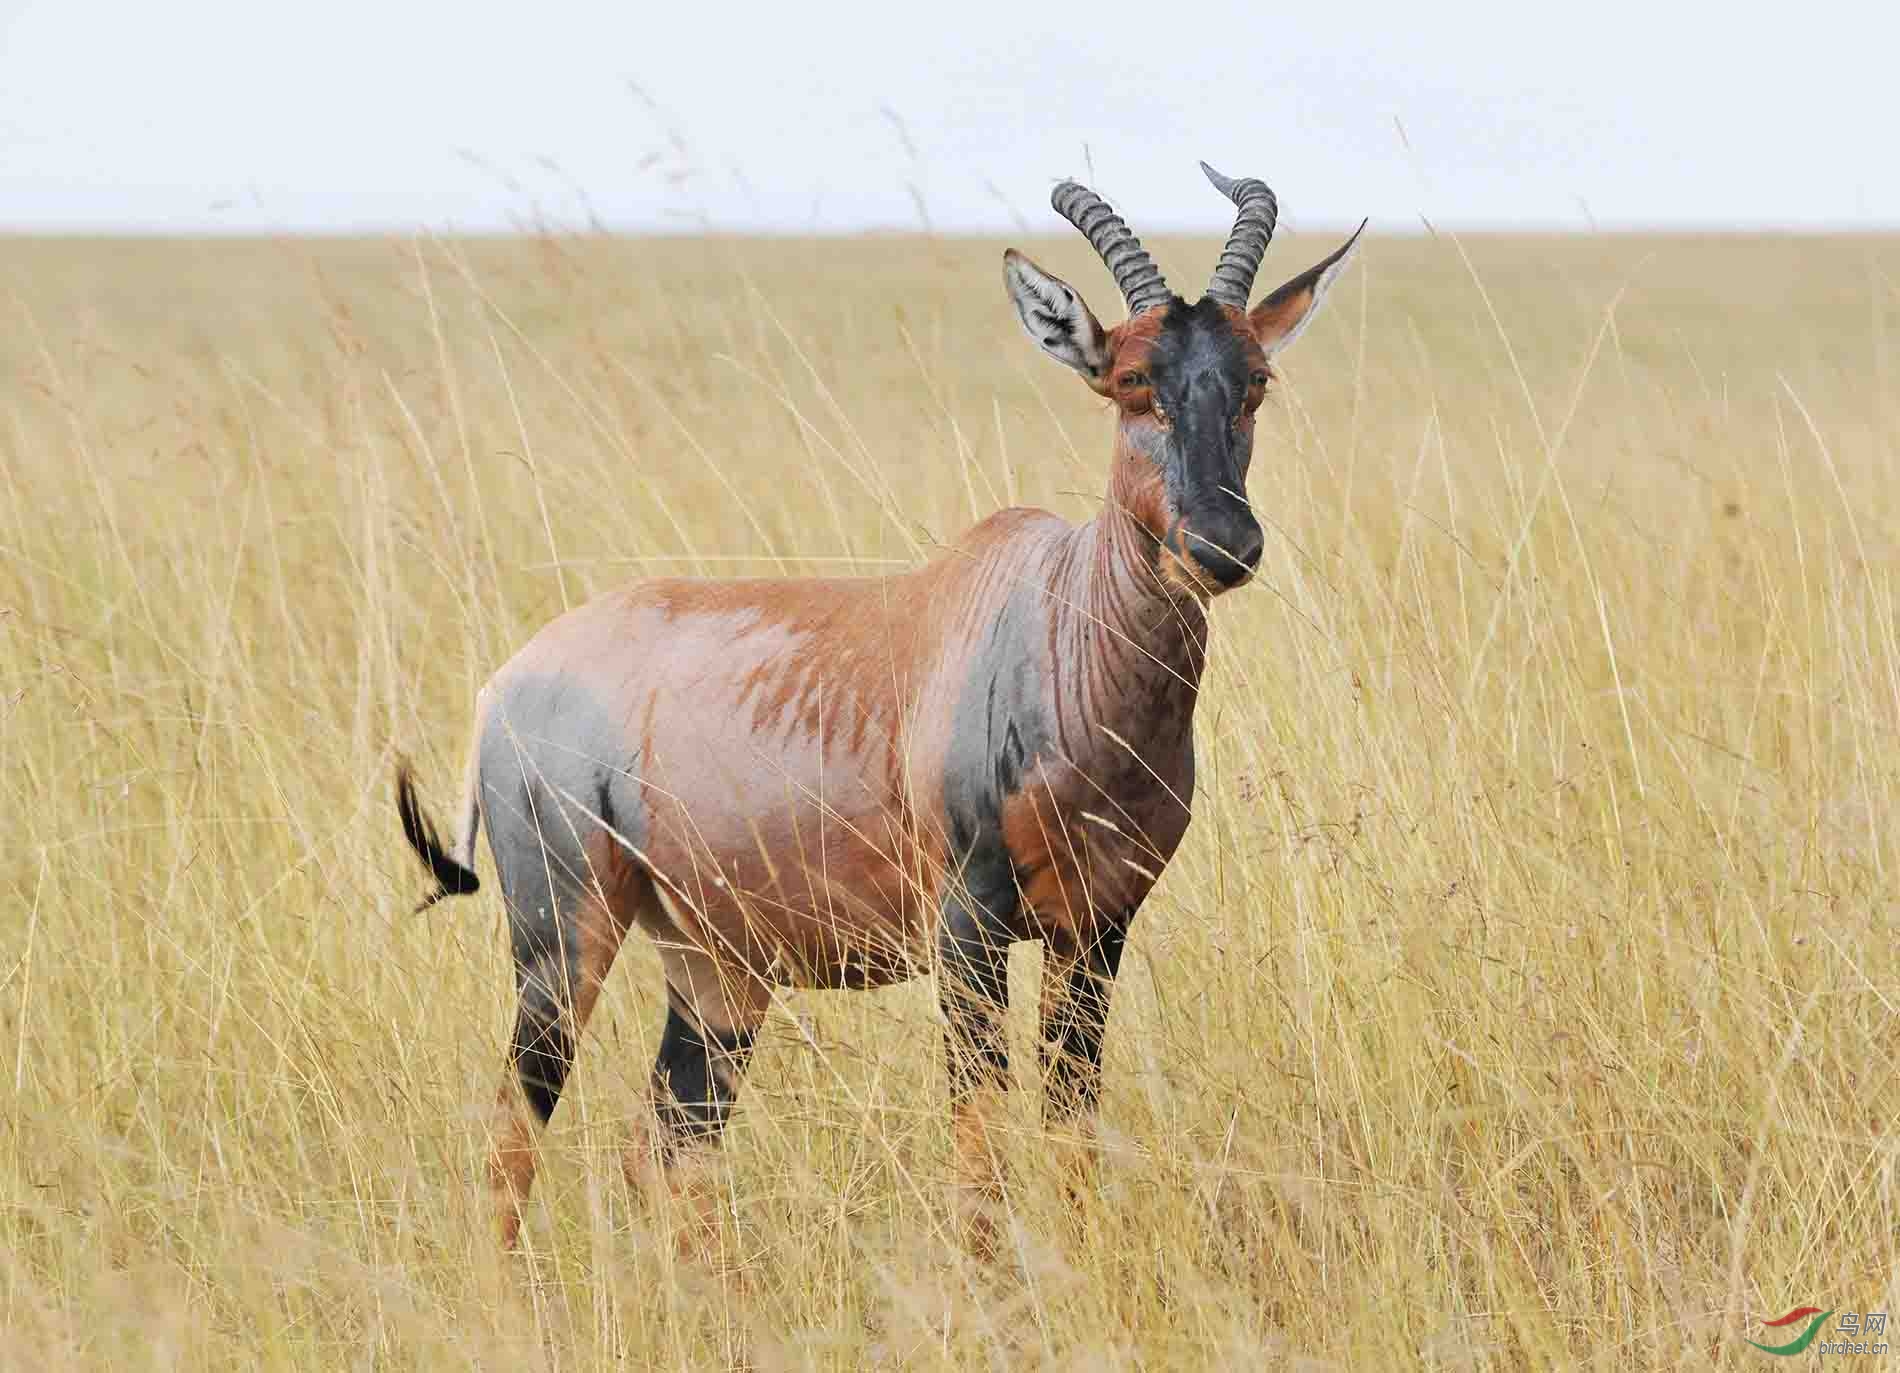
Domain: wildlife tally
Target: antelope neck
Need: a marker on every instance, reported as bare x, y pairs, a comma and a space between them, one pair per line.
1136, 648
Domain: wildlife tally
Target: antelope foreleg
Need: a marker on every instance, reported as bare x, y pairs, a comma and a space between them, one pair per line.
1076, 986
973, 991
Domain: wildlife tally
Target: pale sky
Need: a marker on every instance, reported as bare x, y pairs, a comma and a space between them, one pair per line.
198, 115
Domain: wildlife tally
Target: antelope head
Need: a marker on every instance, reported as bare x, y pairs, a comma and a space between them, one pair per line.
1185, 378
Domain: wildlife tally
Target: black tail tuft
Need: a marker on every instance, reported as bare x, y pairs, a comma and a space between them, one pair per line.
451, 877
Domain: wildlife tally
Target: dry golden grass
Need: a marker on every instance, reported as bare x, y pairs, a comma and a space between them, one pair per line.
1524, 996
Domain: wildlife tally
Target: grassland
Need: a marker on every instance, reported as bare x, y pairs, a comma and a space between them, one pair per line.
1525, 995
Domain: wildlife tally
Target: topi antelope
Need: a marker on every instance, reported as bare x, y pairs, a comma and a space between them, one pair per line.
839, 783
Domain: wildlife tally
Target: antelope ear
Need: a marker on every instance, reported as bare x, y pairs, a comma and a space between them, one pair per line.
1054, 315
1278, 320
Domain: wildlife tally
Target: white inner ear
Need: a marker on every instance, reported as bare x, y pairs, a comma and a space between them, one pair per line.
1053, 314
1320, 287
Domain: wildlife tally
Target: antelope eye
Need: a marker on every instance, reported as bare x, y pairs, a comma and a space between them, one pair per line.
1258, 379
1128, 381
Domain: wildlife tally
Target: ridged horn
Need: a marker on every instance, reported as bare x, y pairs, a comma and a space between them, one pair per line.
1135, 272
1247, 244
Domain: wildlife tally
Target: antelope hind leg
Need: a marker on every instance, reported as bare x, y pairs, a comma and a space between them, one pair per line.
712, 1022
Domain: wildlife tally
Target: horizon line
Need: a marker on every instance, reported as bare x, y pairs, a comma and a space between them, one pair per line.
1414, 227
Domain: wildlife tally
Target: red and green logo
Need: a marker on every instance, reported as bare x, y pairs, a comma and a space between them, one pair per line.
1813, 1315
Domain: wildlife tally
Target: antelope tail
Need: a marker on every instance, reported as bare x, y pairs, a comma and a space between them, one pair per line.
453, 870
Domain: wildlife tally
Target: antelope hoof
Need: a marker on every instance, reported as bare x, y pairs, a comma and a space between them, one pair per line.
683, 1196
509, 1225
980, 1228
1078, 1167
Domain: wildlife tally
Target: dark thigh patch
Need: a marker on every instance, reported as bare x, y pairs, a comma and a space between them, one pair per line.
696, 1076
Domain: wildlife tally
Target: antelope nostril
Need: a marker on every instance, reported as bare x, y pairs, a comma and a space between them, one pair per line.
1230, 560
